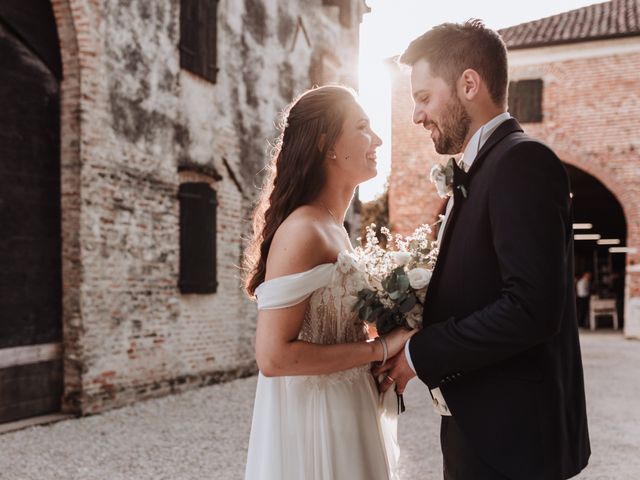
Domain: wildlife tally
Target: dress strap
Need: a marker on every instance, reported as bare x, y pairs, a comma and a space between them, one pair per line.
289, 290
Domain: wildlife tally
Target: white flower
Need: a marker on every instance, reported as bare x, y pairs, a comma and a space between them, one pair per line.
414, 317
346, 262
376, 284
439, 177
400, 258
386, 301
419, 278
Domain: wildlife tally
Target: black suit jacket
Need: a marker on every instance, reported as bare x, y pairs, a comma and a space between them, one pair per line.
500, 337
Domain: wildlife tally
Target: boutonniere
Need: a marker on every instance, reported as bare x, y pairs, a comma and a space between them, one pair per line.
443, 177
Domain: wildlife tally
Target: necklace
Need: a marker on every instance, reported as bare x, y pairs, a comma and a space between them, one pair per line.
331, 213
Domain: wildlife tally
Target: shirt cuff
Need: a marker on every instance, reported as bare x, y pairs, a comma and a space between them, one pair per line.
407, 354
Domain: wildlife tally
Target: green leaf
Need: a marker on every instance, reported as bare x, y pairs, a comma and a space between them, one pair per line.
391, 284
408, 304
366, 293
395, 295
403, 282
385, 323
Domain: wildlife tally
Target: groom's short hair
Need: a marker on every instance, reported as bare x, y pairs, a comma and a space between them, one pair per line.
451, 48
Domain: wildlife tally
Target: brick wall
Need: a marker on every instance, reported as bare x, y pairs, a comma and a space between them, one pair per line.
412, 197
591, 108
130, 118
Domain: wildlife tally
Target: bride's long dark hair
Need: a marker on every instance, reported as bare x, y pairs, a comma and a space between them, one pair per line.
296, 173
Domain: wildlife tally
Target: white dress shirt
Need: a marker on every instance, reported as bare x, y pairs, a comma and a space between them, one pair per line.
468, 157
582, 288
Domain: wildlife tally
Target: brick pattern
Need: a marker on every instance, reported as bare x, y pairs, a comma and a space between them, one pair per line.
130, 118
616, 18
412, 197
64, 13
591, 120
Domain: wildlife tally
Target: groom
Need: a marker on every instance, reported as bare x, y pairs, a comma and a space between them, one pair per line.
499, 349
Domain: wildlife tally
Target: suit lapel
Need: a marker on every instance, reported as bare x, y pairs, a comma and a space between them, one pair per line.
448, 228
506, 128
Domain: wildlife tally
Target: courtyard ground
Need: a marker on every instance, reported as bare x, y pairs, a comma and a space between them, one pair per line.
203, 434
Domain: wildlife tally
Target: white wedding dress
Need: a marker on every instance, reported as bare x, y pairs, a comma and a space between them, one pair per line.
322, 427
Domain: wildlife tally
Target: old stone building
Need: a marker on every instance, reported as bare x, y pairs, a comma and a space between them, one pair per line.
132, 137
574, 84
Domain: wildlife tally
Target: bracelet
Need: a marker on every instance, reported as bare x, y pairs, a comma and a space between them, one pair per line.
385, 350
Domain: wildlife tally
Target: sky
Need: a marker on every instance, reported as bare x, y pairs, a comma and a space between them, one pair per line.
390, 27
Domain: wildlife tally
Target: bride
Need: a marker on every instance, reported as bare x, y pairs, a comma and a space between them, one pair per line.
317, 413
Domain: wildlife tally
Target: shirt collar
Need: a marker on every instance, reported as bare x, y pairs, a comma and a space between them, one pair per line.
480, 137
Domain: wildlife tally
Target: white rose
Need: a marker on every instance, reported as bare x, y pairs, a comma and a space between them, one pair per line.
439, 177
400, 258
419, 278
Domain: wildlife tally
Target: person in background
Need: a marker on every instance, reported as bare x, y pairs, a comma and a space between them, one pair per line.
583, 291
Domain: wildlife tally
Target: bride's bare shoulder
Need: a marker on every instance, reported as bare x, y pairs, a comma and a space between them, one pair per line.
299, 244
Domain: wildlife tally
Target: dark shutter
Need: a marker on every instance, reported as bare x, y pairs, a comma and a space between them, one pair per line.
198, 37
525, 100
198, 206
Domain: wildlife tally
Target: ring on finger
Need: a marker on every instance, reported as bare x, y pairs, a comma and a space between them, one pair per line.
391, 378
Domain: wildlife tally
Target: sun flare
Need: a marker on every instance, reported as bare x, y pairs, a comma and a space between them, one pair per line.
390, 27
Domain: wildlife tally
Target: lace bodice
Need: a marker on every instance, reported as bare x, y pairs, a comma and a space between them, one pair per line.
333, 288
330, 317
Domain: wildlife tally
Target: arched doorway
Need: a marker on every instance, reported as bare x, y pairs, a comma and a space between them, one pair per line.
30, 240
600, 231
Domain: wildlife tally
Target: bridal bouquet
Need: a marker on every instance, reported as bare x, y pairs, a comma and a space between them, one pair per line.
397, 276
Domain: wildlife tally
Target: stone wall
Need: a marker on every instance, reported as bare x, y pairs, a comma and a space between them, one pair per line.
591, 108
131, 119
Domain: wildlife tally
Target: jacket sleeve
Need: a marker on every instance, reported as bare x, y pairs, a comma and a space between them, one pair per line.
529, 211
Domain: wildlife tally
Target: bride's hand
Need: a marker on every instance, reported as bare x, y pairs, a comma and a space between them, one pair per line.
396, 340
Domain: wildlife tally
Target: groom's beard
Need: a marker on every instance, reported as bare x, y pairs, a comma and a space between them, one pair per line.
453, 128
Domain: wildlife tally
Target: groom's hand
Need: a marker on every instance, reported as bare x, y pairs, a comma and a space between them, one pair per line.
397, 370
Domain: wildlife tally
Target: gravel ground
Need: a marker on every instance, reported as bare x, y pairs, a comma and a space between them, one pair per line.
203, 434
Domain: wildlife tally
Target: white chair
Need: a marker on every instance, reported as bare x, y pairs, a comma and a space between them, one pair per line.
600, 307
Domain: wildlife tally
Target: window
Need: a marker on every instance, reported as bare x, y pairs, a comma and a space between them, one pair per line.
198, 205
525, 100
198, 37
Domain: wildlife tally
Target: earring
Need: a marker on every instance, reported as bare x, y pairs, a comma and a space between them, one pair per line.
332, 155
